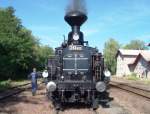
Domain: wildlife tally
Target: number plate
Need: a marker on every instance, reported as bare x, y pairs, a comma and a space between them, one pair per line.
75, 47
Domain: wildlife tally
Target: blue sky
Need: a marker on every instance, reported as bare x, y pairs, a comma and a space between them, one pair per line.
123, 20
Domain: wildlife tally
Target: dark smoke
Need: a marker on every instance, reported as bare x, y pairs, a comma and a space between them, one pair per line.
76, 5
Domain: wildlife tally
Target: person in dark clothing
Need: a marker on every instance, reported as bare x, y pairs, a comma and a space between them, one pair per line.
33, 76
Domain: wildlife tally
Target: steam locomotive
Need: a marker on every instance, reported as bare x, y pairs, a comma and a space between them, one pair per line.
76, 72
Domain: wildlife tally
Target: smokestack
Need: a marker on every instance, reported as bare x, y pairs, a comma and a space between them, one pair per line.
76, 15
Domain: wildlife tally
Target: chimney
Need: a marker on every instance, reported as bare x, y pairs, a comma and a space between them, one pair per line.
75, 19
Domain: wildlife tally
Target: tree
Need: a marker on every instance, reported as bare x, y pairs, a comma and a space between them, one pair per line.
10, 43
110, 51
136, 45
42, 54
18, 54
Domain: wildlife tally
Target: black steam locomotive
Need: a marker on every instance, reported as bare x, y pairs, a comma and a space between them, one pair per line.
76, 72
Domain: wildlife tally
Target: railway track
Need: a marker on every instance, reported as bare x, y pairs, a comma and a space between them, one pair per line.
90, 111
15, 87
75, 109
15, 90
138, 91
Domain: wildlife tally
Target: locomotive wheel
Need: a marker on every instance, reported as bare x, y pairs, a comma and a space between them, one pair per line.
95, 104
58, 106
106, 105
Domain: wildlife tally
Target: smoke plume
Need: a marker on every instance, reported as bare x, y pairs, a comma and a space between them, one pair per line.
76, 5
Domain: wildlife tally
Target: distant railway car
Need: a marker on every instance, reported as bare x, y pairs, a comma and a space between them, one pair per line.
76, 72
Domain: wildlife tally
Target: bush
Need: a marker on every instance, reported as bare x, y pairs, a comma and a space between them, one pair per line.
5, 84
132, 76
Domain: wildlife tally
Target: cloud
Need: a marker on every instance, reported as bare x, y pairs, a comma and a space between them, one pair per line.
144, 37
89, 31
47, 5
131, 13
44, 28
48, 40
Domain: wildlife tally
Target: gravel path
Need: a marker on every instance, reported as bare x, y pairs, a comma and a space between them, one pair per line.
137, 83
25, 103
136, 104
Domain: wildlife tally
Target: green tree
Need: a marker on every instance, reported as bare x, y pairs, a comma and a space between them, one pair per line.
136, 44
42, 54
18, 54
15, 44
110, 51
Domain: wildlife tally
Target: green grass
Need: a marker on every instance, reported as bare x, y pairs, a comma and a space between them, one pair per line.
133, 76
5, 84
147, 82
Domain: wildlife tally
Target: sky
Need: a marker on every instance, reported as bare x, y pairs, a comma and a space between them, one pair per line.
123, 20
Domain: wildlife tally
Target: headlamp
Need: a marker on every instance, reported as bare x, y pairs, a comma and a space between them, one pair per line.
51, 86
107, 73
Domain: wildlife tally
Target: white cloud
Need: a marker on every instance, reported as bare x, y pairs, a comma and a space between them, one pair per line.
46, 5
135, 12
48, 40
144, 37
44, 28
89, 31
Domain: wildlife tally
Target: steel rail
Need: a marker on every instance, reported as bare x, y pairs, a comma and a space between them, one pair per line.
16, 90
138, 91
92, 111
14, 87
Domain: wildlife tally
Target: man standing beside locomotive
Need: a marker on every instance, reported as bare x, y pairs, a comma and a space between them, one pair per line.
33, 76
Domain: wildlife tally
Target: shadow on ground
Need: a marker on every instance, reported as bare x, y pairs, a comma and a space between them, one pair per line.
68, 106
7, 106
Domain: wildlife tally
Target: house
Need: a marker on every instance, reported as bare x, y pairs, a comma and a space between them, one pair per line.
129, 61
125, 57
141, 65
